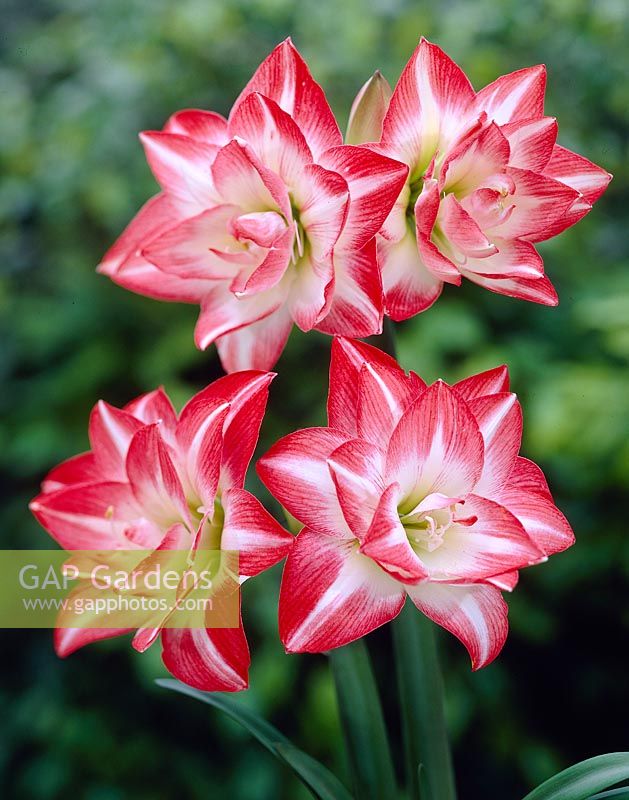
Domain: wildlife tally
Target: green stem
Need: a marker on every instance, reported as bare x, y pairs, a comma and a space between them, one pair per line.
420, 686
363, 725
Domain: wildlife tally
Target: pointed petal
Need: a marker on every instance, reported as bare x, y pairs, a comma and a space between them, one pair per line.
572, 169
78, 469
357, 304
506, 582
495, 543
542, 520
368, 110
210, 659
323, 199
536, 290
69, 640
490, 382
499, 418
274, 136
476, 615
295, 471
310, 294
110, 432
387, 544
374, 183
181, 166
515, 259
285, 78
516, 96
256, 346
153, 478
346, 365
88, 516
250, 529
426, 107
531, 142
202, 126
409, 287
140, 276
332, 595
356, 469
383, 396
528, 477
462, 231
154, 406
436, 447
242, 180
474, 161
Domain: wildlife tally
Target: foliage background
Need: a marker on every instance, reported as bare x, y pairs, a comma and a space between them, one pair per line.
78, 80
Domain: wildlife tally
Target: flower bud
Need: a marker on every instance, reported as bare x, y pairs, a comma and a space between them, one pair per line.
368, 110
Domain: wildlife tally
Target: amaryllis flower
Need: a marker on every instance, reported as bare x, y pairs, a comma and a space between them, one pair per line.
487, 180
265, 219
411, 491
153, 481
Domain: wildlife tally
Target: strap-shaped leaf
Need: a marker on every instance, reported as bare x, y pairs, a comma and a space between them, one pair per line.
614, 794
320, 781
363, 725
582, 780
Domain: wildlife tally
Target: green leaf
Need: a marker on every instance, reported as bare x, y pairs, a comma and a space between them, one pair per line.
579, 781
616, 794
363, 725
320, 781
421, 701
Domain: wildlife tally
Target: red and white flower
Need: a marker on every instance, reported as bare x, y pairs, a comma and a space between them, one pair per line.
411, 490
157, 481
265, 219
486, 181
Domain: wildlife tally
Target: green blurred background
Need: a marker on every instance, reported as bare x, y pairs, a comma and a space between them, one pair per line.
78, 80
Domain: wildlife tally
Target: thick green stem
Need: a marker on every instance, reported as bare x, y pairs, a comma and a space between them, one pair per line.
363, 725
420, 686
421, 698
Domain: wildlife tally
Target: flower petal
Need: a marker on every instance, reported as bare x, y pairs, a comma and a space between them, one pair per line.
499, 417
383, 396
323, 200
516, 96
515, 259
537, 290
356, 469
256, 346
155, 406
332, 595
285, 78
295, 471
436, 447
474, 161
252, 531
476, 615
572, 169
531, 142
110, 432
69, 640
489, 382
528, 477
542, 520
374, 183
212, 659
202, 126
78, 469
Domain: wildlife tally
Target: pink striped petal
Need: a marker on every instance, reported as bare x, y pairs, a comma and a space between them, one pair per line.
356, 469
256, 346
383, 396
531, 142
476, 615
110, 432
577, 172
474, 161
155, 406
88, 516
69, 640
248, 528
270, 272
436, 447
426, 108
515, 259
499, 417
374, 183
542, 520
489, 382
311, 291
202, 126
528, 477
181, 166
222, 312
506, 582
242, 180
140, 276
409, 287
296, 472
285, 78
387, 544
495, 543
516, 96
274, 136
426, 211
194, 248
154, 480
346, 365
263, 228
356, 308
209, 659
536, 290
78, 469
462, 231
331, 595
323, 200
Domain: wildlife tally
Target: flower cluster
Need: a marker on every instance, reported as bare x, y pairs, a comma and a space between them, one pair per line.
267, 219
